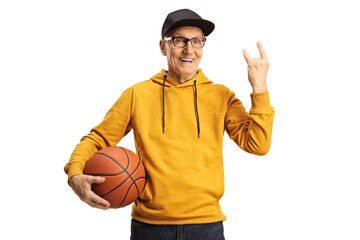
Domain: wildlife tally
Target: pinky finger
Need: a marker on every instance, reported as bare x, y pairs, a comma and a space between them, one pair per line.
94, 204
98, 200
98, 205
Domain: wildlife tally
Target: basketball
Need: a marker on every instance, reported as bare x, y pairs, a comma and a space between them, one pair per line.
124, 174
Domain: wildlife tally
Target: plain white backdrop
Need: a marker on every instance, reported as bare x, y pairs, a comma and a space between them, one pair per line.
64, 63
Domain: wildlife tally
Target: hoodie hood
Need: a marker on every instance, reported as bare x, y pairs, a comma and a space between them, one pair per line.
163, 79
199, 77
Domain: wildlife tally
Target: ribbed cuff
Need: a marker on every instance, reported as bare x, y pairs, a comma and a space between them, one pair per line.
260, 101
75, 169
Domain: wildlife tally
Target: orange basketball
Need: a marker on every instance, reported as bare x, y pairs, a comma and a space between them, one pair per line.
124, 173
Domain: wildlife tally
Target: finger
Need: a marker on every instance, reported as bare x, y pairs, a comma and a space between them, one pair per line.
93, 179
261, 50
96, 205
246, 56
97, 201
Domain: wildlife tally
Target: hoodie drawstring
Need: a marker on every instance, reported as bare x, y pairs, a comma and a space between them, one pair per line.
197, 112
196, 106
164, 103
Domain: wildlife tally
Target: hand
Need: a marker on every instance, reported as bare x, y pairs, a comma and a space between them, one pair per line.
257, 70
81, 185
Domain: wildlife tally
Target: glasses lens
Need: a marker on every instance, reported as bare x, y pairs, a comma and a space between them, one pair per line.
180, 41
198, 42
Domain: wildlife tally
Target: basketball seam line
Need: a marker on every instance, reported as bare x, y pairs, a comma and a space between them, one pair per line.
124, 170
120, 185
133, 171
128, 191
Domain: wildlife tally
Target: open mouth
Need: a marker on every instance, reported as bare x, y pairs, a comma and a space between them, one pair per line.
189, 60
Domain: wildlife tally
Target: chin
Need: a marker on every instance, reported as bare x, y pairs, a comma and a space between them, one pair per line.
187, 72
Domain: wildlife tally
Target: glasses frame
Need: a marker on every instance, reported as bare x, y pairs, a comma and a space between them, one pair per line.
187, 40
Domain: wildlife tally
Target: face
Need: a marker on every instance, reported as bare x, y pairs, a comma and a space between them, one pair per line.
182, 62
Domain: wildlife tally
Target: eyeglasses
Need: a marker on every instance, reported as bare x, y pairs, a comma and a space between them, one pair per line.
181, 42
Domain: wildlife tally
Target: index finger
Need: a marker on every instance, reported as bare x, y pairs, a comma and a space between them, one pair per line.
261, 50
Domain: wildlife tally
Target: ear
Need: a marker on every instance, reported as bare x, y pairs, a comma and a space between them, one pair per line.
162, 47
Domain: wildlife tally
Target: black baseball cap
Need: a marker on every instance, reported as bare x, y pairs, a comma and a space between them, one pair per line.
186, 17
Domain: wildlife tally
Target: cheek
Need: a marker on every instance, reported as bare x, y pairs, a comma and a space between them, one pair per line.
199, 54
172, 56
172, 59
169, 53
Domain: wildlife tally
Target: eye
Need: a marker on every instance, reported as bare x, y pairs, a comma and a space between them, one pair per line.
179, 40
197, 40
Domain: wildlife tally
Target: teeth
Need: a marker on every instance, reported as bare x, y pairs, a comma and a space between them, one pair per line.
186, 59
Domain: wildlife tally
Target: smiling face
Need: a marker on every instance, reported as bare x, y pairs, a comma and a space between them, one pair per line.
182, 62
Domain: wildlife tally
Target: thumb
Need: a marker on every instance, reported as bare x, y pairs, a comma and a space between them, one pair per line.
93, 179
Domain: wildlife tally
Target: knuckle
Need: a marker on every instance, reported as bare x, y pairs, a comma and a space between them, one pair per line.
256, 64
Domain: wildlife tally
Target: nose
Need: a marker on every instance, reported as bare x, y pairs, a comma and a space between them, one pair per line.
189, 48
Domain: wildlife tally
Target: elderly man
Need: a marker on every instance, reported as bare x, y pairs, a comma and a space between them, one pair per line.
179, 118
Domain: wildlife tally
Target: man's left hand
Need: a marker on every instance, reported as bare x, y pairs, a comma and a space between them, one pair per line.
257, 70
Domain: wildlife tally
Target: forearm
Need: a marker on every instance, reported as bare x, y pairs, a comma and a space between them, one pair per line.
109, 132
252, 131
260, 129
81, 154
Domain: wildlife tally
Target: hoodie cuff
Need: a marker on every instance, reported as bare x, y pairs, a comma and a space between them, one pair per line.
74, 169
260, 101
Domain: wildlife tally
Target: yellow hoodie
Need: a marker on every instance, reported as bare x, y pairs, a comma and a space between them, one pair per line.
178, 131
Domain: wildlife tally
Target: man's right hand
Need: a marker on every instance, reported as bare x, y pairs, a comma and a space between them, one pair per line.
81, 185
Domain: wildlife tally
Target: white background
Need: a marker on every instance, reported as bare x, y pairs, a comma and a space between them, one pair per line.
64, 63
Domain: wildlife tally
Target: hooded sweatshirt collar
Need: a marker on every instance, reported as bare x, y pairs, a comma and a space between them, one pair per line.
170, 82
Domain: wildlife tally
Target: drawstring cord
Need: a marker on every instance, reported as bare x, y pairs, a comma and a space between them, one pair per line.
164, 103
197, 112
196, 106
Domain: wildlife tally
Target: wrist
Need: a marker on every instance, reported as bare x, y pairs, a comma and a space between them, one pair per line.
259, 89
71, 179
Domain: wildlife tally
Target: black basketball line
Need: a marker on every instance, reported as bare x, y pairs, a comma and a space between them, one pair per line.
133, 171
124, 170
142, 177
125, 181
129, 190
125, 196
144, 183
105, 175
114, 188
137, 189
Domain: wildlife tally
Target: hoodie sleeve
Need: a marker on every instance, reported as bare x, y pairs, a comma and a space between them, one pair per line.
250, 131
109, 132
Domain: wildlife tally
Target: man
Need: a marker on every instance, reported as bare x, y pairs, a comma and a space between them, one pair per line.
179, 117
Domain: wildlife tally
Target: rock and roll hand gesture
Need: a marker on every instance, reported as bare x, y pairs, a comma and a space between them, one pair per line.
257, 70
